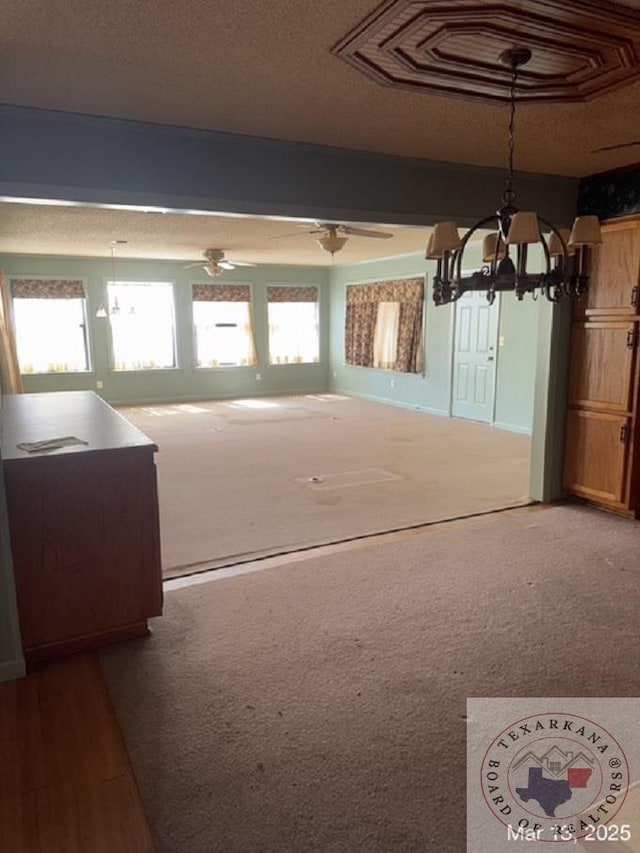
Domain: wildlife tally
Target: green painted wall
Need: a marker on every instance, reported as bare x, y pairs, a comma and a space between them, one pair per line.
431, 392
517, 355
185, 382
552, 381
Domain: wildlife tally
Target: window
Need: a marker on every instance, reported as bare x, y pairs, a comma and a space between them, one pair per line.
385, 335
383, 325
294, 336
223, 326
51, 326
142, 324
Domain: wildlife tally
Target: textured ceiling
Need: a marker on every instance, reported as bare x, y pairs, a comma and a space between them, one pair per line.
267, 69
87, 232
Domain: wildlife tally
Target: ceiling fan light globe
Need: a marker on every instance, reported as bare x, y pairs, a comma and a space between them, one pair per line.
331, 243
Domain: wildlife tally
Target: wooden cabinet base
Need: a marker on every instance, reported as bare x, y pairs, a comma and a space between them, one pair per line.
39, 655
83, 519
607, 506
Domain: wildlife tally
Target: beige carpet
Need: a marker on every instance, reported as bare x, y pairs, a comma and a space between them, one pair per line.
235, 480
321, 705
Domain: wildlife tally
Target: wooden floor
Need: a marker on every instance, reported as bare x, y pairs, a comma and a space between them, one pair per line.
66, 785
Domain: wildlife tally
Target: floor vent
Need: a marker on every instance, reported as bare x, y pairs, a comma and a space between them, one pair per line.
347, 479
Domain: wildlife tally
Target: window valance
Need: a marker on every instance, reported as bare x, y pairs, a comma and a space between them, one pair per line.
393, 290
221, 293
295, 293
47, 288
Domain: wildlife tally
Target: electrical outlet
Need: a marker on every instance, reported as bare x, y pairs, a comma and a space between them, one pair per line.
393, 383
258, 376
99, 384
335, 374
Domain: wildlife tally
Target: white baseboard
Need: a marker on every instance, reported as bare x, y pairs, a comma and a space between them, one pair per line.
12, 669
512, 428
399, 403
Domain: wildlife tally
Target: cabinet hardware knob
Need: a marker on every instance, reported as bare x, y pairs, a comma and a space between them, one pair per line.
635, 294
623, 434
631, 338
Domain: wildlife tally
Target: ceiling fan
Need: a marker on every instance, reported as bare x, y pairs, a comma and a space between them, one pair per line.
217, 263
334, 236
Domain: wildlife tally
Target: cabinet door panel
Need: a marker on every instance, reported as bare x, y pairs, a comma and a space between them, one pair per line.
602, 357
85, 542
596, 457
614, 271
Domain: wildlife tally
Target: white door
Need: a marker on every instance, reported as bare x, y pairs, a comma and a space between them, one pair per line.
474, 357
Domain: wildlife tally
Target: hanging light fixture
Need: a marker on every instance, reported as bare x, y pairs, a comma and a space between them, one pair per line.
565, 262
330, 241
115, 308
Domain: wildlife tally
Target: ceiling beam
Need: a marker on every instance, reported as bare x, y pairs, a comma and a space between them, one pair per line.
49, 154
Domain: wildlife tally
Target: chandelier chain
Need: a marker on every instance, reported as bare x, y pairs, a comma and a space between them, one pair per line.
509, 194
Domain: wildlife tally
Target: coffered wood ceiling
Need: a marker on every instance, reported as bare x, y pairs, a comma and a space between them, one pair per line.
267, 69
579, 48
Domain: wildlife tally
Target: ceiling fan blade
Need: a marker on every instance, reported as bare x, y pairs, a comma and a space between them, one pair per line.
291, 234
226, 265
196, 264
619, 145
241, 264
365, 232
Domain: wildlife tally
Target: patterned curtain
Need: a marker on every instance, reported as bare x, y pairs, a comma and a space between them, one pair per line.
359, 330
46, 288
295, 293
221, 293
362, 313
410, 356
10, 377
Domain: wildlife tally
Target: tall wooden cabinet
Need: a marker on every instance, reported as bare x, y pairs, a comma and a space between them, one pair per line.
603, 415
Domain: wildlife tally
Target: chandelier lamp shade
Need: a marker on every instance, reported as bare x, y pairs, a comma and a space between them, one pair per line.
563, 261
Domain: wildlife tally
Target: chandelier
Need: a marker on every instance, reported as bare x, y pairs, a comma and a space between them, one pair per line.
565, 253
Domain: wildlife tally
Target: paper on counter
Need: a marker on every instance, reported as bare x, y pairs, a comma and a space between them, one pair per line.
50, 444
